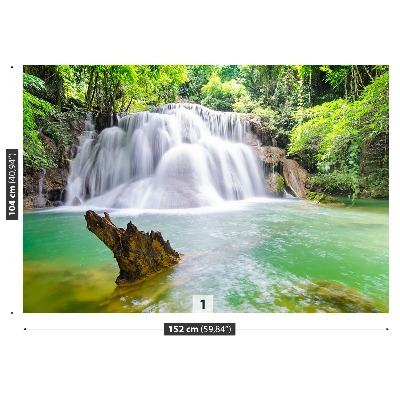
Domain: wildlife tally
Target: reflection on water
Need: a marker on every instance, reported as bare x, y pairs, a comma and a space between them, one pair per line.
272, 256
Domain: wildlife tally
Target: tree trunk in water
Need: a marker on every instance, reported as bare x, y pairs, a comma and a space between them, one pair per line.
138, 254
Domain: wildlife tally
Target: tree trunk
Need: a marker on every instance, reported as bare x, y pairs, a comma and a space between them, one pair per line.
138, 254
89, 92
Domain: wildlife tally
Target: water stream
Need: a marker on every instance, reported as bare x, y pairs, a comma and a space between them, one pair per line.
253, 256
41, 201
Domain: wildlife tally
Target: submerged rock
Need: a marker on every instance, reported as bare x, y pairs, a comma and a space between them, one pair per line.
138, 254
336, 297
322, 198
76, 201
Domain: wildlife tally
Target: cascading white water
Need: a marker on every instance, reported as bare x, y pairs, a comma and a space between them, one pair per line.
176, 156
41, 201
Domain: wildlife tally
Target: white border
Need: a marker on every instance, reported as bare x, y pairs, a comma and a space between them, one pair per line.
287, 364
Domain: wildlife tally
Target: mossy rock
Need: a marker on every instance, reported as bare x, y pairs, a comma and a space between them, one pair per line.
326, 296
336, 297
322, 198
275, 184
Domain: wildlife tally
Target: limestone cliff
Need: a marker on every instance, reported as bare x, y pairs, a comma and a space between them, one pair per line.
275, 162
295, 178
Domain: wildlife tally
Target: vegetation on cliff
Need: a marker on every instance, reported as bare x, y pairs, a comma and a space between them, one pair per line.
347, 142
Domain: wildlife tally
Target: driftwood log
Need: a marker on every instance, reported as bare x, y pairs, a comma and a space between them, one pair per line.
138, 254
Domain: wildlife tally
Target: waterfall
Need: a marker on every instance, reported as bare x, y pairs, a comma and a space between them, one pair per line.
176, 156
89, 122
41, 201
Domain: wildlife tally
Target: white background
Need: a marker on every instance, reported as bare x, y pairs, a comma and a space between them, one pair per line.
277, 356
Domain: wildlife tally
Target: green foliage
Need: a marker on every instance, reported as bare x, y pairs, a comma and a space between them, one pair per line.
260, 81
267, 113
349, 81
127, 88
165, 82
341, 182
280, 183
376, 183
42, 119
373, 108
33, 84
71, 84
109, 88
336, 76
269, 120
322, 140
229, 72
244, 103
347, 141
55, 95
334, 119
198, 76
35, 111
220, 95
106, 85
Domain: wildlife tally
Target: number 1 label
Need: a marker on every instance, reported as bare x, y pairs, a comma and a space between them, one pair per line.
203, 303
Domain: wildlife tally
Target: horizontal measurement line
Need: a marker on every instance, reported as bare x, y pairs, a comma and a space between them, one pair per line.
92, 329
238, 329
313, 329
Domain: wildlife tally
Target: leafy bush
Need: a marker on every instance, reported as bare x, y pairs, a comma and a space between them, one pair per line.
245, 104
42, 118
338, 182
268, 116
35, 111
280, 183
347, 142
220, 95
34, 85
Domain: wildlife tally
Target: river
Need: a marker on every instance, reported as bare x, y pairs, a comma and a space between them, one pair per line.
255, 255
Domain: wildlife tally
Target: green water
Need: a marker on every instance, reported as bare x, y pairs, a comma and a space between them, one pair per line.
271, 256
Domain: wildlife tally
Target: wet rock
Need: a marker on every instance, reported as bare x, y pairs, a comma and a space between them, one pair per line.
262, 130
274, 160
53, 180
76, 201
53, 186
138, 254
295, 177
56, 195
272, 156
29, 202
